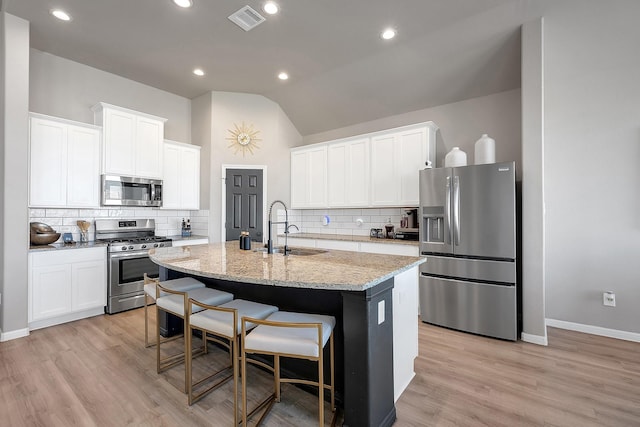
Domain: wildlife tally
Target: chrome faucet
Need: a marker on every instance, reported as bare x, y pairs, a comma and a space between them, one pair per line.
286, 227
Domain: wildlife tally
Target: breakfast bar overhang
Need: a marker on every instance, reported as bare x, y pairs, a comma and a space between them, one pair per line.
354, 287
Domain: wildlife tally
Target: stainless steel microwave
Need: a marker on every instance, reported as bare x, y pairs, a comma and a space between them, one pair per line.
131, 191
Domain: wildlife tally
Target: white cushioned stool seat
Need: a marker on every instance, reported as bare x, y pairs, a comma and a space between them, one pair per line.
290, 340
220, 322
175, 303
290, 335
182, 284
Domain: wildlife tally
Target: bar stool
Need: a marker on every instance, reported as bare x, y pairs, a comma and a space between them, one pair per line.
182, 284
222, 324
177, 303
295, 335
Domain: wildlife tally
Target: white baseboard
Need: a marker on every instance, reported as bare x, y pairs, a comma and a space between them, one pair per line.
534, 339
70, 317
12, 335
594, 330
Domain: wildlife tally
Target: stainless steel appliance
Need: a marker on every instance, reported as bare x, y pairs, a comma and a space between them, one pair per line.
129, 242
468, 235
131, 191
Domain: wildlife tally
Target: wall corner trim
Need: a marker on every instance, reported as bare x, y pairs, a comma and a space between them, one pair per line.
595, 330
12, 335
534, 339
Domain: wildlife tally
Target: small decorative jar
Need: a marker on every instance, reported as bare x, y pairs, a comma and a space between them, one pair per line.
455, 157
485, 150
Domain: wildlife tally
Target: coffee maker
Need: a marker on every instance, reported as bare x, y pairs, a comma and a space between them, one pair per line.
409, 225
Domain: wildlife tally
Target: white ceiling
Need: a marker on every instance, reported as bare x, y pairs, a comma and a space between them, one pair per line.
341, 72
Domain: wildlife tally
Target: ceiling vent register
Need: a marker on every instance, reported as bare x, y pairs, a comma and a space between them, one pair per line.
247, 18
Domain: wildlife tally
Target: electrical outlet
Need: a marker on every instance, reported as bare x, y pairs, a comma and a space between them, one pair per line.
609, 299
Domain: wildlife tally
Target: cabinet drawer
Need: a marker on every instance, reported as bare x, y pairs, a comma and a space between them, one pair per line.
68, 256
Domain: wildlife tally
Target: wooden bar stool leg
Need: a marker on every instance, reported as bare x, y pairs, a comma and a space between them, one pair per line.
276, 376
321, 388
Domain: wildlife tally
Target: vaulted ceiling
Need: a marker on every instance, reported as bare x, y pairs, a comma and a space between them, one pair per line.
341, 71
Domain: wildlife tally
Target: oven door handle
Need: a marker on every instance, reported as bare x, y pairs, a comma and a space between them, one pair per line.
139, 254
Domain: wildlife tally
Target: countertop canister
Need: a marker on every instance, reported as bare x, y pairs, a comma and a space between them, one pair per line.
485, 150
455, 157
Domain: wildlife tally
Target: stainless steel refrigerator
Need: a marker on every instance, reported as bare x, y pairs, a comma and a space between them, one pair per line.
468, 235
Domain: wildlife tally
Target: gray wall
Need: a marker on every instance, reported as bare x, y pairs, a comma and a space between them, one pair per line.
201, 135
533, 287
591, 173
14, 234
460, 123
68, 89
277, 135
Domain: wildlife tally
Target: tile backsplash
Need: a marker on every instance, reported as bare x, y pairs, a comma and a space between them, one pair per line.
168, 222
341, 221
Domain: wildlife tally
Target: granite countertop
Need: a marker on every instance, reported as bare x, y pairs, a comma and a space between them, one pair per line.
347, 238
331, 269
62, 246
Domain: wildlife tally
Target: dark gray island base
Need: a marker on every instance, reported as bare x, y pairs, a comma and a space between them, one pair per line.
363, 348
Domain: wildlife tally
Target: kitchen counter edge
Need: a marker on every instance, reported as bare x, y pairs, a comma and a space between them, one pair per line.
63, 246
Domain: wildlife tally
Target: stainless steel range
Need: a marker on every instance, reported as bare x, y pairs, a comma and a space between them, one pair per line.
129, 243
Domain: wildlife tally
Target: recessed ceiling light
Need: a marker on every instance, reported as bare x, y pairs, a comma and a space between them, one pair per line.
283, 76
183, 3
198, 72
270, 7
61, 15
388, 34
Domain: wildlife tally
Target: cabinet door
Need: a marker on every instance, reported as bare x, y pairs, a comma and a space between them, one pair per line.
357, 173
149, 139
83, 174
337, 175
119, 142
50, 291
48, 163
385, 184
412, 155
190, 178
299, 196
171, 177
317, 177
348, 174
89, 285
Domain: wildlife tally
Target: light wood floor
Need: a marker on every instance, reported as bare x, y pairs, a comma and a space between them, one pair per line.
95, 372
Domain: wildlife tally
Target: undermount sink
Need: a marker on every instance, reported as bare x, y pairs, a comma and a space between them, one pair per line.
294, 251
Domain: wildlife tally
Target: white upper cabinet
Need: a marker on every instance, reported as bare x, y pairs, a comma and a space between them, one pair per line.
348, 173
133, 141
396, 158
376, 169
64, 163
181, 176
309, 177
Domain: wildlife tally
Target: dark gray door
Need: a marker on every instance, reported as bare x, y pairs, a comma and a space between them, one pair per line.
244, 203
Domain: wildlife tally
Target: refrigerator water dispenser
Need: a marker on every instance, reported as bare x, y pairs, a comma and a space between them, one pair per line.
433, 224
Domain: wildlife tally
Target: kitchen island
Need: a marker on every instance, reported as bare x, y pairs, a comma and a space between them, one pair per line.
356, 288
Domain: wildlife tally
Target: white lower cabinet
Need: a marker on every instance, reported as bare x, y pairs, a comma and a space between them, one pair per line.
405, 329
190, 241
66, 285
390, 249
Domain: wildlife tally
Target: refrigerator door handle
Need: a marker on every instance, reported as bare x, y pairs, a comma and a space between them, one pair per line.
447, 213
456, 210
